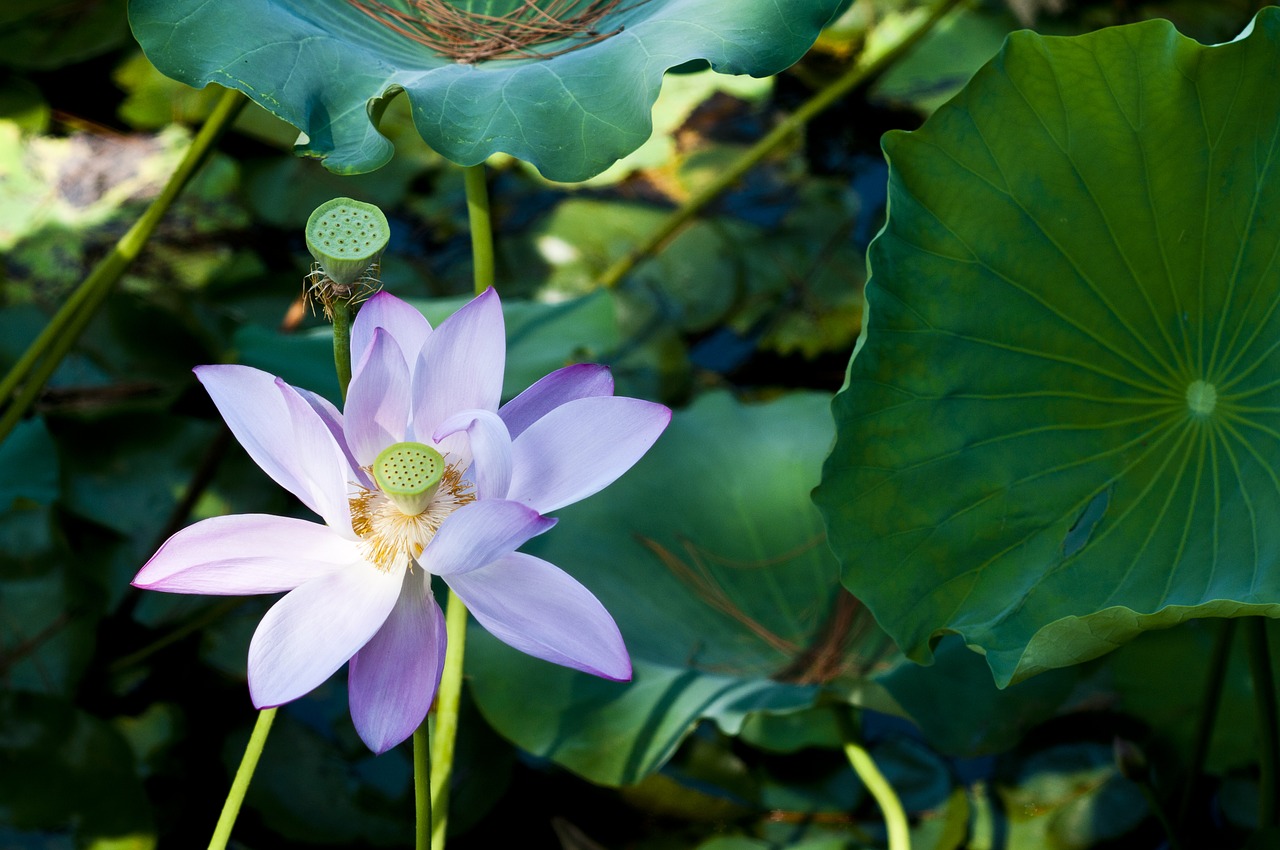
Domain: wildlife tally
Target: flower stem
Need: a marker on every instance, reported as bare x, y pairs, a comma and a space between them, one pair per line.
856, 75
27, 378
1264, 694
341, 310
422, 785
447, 702
481, 226
231, 808
895, 819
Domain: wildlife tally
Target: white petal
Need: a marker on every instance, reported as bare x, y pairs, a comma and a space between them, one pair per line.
490, 448
583, 380
580, 448
407, 327
481, 532
543, 611
313, 630
245, 554
461, 364
393, 679
377, 412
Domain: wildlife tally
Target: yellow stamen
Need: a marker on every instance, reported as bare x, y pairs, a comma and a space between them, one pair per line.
393, 540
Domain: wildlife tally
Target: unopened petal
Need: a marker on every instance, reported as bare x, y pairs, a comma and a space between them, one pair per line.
489, 445
541, 610
407, 327
377, 410
245, 554
393, 679
581, 447
461, 364
315, 629
481, 532
584, 380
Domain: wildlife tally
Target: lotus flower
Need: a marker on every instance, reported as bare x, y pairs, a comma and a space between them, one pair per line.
422, 475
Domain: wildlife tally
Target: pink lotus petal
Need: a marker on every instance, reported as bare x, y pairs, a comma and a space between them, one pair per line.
541, 610
583, 380
490, 449
481, 532
377, 411
314, 629
461, 364
407, 327
581, 447
393, 679
321, 460
333, 420
273, 422
246, 554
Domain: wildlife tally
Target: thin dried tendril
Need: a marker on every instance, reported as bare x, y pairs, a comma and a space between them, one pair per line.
468, 37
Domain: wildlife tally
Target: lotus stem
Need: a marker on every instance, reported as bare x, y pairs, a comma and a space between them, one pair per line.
27, 378
422, 785
895, 818
252, 752
447, 704
855, 76
481, 226
1212, 699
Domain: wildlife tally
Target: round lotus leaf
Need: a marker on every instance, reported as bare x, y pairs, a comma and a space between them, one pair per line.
571, 105
1061, 427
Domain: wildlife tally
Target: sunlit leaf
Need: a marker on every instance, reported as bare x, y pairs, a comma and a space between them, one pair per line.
1061, 426
572, 108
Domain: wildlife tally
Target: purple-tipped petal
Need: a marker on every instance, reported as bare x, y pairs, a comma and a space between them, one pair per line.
543, 611
580, 448
266, 416
490, 449
584, 380
407, 327
315, 629
245, 554
322, 462
481, 532
461, 364
377, 412
393, 679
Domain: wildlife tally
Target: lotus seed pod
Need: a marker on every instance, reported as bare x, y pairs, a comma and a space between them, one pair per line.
409, 475
346, 237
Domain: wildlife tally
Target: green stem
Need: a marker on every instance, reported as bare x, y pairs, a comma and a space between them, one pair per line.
822, 100
422, 785
341, 310
1211, 700
25, 380
481, 226
1264, 694
895, 819
252, 752
447, 703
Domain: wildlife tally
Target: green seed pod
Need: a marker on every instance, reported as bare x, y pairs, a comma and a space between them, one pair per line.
409, 475
346, 237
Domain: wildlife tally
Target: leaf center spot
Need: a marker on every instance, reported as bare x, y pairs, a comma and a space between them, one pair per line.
1202, 397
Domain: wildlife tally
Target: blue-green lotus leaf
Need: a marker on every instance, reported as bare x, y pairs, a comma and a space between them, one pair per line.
572, 109
1062, 426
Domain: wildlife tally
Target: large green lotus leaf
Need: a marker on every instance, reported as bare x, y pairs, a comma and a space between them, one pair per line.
328, 68
713, 562
1062, 426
